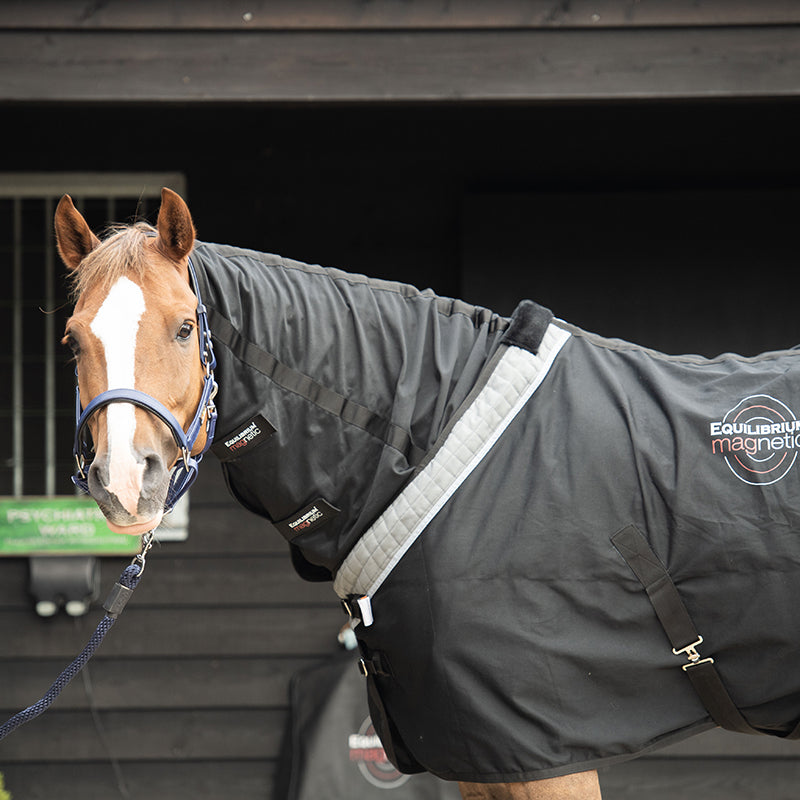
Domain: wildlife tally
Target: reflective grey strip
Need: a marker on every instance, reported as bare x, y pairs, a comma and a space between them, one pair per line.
512, 383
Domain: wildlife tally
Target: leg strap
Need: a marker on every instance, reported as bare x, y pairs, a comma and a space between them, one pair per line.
680, 630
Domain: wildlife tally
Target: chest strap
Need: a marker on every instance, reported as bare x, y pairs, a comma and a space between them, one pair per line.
680, 630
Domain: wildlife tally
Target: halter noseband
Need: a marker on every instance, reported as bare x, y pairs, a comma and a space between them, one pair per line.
184, 472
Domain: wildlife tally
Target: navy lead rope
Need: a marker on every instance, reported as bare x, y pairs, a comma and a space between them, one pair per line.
113, 606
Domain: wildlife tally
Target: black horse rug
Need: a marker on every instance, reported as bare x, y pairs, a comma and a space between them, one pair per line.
561, 550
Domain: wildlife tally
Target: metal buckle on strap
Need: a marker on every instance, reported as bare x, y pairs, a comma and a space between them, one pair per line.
80, 463
690, 651
375, 665
360, 608
186, 455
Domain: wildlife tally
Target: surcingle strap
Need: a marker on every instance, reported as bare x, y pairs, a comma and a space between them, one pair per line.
680, 629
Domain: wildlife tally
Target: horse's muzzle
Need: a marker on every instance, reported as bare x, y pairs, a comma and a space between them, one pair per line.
131, 498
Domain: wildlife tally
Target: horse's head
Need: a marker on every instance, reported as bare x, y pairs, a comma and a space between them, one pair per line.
134, 333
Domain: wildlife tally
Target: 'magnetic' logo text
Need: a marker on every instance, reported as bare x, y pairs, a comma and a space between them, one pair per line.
758, 438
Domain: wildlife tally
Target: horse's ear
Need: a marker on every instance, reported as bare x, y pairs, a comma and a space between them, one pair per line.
74, 237
175, 227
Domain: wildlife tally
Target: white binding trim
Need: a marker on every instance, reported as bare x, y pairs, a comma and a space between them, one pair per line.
512, 383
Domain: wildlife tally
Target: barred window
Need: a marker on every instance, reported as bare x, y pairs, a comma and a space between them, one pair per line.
37, 395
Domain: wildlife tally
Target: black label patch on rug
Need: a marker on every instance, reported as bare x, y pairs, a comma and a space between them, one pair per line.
244, 439
312, 516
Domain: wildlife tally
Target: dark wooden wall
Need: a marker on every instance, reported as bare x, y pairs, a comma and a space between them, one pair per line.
188, 692
353, 51
187, 697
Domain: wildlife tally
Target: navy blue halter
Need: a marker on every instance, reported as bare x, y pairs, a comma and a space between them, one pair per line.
185, 471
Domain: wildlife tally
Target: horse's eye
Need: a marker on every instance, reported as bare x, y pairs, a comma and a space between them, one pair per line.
185, 331
71, 342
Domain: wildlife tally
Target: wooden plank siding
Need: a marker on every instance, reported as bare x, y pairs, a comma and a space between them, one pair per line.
392, 52
389, 14
151, 780
187, 697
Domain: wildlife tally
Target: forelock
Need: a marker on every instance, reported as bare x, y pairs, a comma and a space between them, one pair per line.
121, 253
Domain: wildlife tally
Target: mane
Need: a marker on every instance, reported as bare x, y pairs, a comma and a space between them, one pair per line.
121, 253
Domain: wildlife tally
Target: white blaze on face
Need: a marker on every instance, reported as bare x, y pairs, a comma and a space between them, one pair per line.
116, 325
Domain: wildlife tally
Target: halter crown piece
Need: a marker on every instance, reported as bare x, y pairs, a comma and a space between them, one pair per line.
185, 471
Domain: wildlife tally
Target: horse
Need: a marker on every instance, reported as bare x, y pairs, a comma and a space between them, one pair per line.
558, 551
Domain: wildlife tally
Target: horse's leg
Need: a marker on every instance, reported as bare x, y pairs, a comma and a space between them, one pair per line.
580, 786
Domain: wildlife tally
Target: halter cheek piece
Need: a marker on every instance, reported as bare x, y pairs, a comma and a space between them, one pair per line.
185, 471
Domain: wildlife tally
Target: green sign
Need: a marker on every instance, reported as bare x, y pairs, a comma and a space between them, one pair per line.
58, 525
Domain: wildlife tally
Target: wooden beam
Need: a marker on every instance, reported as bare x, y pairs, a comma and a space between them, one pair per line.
183, 683
504, 66
149, 735
85, 184
243, 779
720, 778
226, 581
180, 632
726, 744
252, 15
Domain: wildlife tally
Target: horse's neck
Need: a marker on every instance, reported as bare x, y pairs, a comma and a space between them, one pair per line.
358, 377
408, 357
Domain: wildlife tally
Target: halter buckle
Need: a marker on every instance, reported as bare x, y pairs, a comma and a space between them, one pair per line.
80, 463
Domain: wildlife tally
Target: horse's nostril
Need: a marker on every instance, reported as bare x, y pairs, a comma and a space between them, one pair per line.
154, 472
153, 462
98, 477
